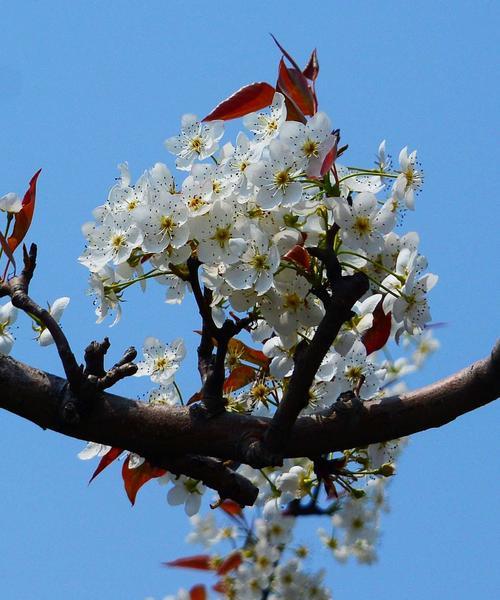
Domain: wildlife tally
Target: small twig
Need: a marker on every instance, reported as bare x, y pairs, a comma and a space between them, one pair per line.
18, 289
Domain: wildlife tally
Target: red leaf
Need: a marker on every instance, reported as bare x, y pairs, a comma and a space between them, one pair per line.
298, 254
231, 507
376, 337
250, 98
293, 113
220, 587
312, 68
25, 215
286, 54
331, 157
134, 479
202, 562
194, 398
330, 489
240, 376
293, 84
256, 357
111, 455
233, 561
198, 592
7, 250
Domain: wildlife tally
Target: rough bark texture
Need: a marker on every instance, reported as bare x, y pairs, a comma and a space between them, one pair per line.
172, 434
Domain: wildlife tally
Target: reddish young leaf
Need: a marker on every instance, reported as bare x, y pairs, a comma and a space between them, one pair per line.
134, 479
295, 86
312, 68
298, 254
330, 488
198, 592
220, 587
331, 157
111, 455
244, 352
240, 376
291, 60
231, 507
202, 562
194, 398
24, 217
250, 98
293, 113
7, 250
376, 337
231, 562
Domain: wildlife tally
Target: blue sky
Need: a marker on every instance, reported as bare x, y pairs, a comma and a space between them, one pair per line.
86, 85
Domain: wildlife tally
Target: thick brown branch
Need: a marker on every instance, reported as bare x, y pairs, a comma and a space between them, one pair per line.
155, 430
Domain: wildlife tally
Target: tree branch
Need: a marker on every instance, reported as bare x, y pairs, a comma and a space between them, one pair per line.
156, 430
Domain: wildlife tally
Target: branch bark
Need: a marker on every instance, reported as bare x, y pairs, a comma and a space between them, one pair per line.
156, 430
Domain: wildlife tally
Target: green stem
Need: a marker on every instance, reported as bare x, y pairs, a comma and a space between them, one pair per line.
119, 287
179, 392
373, 262
6, 232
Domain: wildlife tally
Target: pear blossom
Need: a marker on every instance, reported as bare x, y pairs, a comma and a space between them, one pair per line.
112, 241
218, 235
275, 178
281, 357
363, 223
163, 223
161, 361
188, 492
56, 310
356, 372
267, 126
410, 180
10, 203
309, 143
196, 141
205, 531
93, 450
235, 165
257, 264
100, 287
8, 314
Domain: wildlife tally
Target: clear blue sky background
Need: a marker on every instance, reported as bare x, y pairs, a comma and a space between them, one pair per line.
85, 85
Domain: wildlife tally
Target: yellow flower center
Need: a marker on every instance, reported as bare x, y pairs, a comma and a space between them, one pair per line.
167, 224
222, 235
292, 301
259, 262
362, 225
161, 364
354, 374
282, 178
196, 144
271, 125
310, 148
259, 392
117, 241
195, 202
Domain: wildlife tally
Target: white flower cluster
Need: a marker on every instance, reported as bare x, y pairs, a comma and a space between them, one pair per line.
244, 214
248, 212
